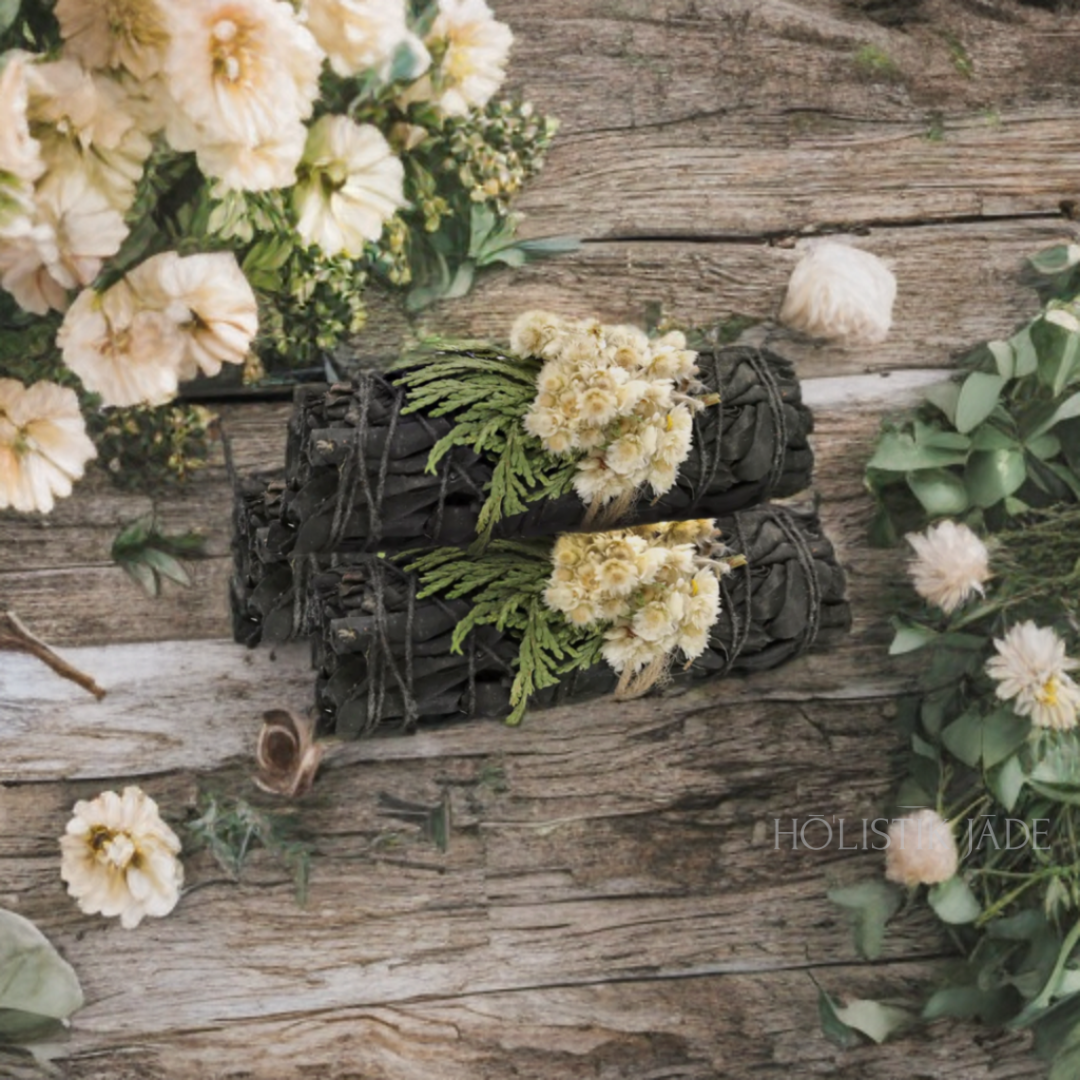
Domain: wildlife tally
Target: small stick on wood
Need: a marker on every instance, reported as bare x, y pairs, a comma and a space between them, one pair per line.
14, 637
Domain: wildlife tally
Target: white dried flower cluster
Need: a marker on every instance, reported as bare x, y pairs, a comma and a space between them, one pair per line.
43, 444
168, 319
922, 850
119, 858
840, 293
655, 589
952, 564
614, 394
365, 35
1030, 670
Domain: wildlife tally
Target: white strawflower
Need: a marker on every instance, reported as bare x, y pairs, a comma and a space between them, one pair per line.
43, 444
952, 563
128, 353
352, 185
538, 333
364, 35
239, 71
115, 33
119, 858
477, 48
921, 850
840, 293
209, 299
1030, 671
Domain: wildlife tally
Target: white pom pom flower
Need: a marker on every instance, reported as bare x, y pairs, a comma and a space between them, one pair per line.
1030, 670
840, 293
952, 564
476, 51
119, 858
922, 850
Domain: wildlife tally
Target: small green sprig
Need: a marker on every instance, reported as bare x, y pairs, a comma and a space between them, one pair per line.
487, 393
506, 590
148, 556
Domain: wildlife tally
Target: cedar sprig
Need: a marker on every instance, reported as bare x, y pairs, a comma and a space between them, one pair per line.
506, 591
488, 394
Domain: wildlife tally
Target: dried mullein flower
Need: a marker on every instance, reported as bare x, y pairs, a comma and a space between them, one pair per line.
287, 754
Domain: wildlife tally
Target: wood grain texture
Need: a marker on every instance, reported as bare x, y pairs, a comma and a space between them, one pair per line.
613, 904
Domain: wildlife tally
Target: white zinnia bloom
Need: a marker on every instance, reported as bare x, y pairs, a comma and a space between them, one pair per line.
115, 33
477, 49
952, 564
840, 293
119, 858
1030, 671
209, 299
269, 164
239, 71
364, 35
20, 153
24, 270
43, 444
353, 185
128, 353
922, 850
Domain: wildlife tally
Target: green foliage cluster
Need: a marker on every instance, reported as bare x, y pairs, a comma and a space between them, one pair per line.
148, 555
487, 393
1001, 440
506, 590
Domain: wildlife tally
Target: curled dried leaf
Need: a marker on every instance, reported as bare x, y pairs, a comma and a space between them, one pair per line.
287, 754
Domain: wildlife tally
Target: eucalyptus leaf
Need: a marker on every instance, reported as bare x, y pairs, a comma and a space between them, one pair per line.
992, 475
873, 904
978, 398
944, 396
941, 493
954, 902
1004, 358
989, 437
1027, 357
34, 978
897, 451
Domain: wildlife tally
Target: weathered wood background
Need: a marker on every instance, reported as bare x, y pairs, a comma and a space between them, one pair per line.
612, 904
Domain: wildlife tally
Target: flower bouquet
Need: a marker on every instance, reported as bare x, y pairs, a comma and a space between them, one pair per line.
188, 189
576, 426
537, 623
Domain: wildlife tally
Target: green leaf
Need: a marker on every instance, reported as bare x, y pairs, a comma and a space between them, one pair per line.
991, 475
1002, 733
1043, 447
1027, 356
954, 902
9, 10
978, 398
969, 1003
1058, 348
910, 637
873, 904
990, 437
166, 565
963, 738
33, 976
941, 493
1004, 358
1052, 260
1007, 782
832, 1027
944, 396
143, 576
1067, 410
897, 451
873, 1019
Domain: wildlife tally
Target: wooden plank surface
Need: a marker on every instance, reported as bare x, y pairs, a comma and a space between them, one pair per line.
613, 902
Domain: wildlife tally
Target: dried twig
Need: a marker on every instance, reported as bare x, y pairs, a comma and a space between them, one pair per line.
14, 637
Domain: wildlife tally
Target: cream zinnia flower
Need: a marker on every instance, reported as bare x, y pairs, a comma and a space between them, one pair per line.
268, 165
239, 71
128, 353
24, 270
1030, 671
20, 153
353, 185
840, 293
209, 300
952, 564
477, 48
119, 858
364, 35
115, 33
43, 444
921, 851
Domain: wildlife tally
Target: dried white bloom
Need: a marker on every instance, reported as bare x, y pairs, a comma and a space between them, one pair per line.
364, 35
922, 850
1030, 671
952, 564
20, 153
267, 165
43, 444
24, 269
840, 293
352, 185
131, 34
128, 353
119, 858
241, 73
476, 51
210, 301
